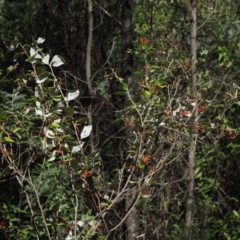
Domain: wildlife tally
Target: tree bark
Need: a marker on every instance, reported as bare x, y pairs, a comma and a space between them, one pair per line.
127, 59
89, 47
193, 136
127, 69
88, 68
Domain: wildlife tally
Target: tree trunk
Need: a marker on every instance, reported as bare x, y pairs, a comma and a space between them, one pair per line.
193, 136
127, 69
127, 59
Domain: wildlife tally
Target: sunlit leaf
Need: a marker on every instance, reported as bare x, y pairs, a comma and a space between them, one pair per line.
47, 114
69, 237
86, 131
77, 148
46, 58
32, 52
60, 130
40, 40
80, 223
50, 134
72, 95
38, 112
53, 157
34, 56
106, 197
57, 61
38, 104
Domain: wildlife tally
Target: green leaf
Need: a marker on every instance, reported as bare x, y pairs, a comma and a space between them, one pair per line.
204, 52
104, 204
16, 57
147, 93
124, 86
141, 166
236, 214
13, 45
8, 139
57, 98
30, 59
198, 173
55, 125
197, 170
132, 182
54, 93
18, 36
95, 153
68, 110
225, 120
120, 93
229, 65
217, 106
42, 77
10, 68
220, 57
16, 129
82, 120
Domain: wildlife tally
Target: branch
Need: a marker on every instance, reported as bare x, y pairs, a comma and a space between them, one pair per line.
108, 14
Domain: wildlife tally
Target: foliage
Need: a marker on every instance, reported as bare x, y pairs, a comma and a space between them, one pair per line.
69, 160
41, 138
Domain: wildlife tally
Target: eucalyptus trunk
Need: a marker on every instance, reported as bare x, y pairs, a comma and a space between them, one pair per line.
193, 136
127, 69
